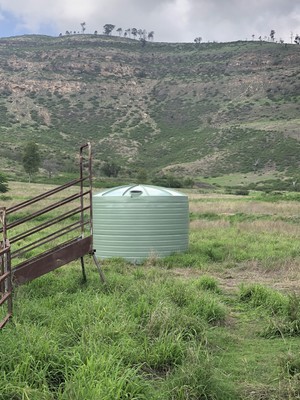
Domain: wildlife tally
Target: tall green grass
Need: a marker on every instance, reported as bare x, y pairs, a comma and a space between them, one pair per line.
183, 327
131, 338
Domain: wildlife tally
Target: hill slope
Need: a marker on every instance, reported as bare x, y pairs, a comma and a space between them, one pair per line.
206, 109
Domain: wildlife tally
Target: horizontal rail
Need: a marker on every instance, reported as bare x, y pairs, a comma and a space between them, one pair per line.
4, 276
46, 209
45, 253
44, 195
5, 297
4, 251
5, 320
47, 224
48, 238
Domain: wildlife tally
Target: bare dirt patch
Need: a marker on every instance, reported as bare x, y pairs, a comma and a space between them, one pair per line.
283, 276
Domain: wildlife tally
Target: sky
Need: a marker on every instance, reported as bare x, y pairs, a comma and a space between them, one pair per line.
170, 20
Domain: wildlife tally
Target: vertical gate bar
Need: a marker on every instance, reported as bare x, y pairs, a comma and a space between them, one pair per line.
3, 245
89, 177
9, 283
1, 272
91, 194
5, 261
81, 191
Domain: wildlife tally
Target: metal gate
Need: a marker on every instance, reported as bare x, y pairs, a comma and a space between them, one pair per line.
5, 274
48, 231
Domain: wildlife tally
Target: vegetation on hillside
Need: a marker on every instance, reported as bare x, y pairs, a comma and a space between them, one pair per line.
189, 110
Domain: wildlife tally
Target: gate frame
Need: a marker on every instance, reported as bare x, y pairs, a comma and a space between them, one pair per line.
59, 255
5, 271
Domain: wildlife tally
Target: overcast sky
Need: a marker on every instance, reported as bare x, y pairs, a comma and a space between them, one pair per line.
171, 20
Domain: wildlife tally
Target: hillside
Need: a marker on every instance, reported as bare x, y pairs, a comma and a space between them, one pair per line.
209, 109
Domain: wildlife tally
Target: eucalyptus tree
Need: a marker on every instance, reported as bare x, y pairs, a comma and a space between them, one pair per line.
134, 32
108, 28
150, 35
83, 28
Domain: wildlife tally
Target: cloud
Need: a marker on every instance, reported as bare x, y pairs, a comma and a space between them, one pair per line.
171, 20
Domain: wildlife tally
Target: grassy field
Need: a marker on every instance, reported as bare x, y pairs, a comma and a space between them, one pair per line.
219, 322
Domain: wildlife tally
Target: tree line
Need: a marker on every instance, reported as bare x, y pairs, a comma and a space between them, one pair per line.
142, 34
294, 39
32, 161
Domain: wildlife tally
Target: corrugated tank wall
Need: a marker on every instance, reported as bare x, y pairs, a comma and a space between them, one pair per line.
135, 222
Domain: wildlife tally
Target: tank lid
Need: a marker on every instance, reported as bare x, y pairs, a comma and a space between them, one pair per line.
139, 190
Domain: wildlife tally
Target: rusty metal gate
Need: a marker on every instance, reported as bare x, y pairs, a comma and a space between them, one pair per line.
48, 231
5, 274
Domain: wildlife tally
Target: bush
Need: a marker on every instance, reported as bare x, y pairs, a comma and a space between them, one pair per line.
242, 192
3, 184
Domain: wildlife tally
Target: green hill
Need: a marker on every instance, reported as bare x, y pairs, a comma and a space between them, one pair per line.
195, 110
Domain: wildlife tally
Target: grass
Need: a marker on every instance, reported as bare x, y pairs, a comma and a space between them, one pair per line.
219, 322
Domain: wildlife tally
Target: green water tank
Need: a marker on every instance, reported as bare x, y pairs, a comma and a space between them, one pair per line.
139, 221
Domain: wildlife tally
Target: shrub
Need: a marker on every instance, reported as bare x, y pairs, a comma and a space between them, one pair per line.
3, 184
242, 192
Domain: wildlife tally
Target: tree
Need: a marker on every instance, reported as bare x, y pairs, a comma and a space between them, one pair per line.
120, 30
50, 166
140, 33
83, 28
198, 40
110, 169
167, 181
31, 159
272, 35
108, 28
3, 184
297, 39
142, 176
134, 32
150, 35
